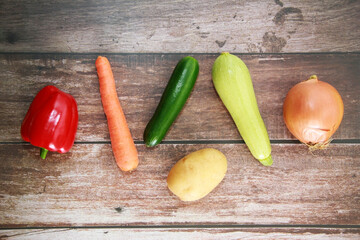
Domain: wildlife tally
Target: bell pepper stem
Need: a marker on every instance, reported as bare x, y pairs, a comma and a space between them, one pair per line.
43, 153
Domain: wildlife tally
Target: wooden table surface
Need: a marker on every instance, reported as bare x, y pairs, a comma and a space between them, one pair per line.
83, 194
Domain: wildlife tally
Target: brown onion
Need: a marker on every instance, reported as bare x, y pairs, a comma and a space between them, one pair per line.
313, 111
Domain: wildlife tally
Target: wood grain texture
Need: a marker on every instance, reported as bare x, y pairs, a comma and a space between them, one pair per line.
85, 187
141, 79
179, 26
183, 233
83, 195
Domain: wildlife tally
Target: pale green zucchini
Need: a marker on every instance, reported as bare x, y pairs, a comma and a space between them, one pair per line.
233, 83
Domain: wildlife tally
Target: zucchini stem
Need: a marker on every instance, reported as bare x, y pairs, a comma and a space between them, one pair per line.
267, 161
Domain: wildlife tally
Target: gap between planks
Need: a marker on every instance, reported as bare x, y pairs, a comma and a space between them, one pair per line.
175, 53
326, 226
190, 142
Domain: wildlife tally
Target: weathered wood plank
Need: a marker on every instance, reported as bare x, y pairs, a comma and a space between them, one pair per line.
141, 80
85, 187
180, 26
183, 233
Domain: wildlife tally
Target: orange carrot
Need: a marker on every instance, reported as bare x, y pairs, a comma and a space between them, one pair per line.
122, 143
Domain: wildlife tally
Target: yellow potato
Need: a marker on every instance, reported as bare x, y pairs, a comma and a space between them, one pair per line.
197, 174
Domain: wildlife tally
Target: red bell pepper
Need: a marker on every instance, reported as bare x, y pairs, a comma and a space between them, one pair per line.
51, 121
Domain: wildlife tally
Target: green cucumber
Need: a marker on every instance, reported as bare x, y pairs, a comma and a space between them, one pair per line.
172, 101
233, 83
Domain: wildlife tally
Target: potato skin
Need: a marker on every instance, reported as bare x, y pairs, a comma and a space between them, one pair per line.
197, 174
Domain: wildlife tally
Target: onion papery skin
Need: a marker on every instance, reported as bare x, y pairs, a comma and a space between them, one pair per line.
313, 111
